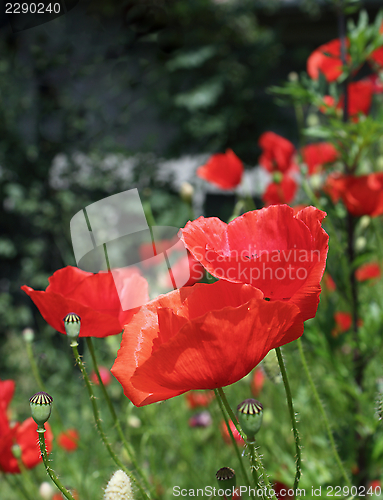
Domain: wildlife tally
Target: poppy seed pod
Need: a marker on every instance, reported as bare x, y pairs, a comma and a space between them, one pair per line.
72, 323
226, 478
41, 407
250, 414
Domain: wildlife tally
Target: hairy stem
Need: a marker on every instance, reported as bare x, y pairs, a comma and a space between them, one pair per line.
298, 457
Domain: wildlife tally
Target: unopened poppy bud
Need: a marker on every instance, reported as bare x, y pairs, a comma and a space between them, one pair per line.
16, 451
72, 323
187, 192
277, 177
41, 407
28, 334
250, 414
119, 487
271, 366
226, 479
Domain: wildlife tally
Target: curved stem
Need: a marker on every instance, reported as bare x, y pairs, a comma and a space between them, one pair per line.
116, 422
289, 398
97, 419
237, 452
48, 468
323, 413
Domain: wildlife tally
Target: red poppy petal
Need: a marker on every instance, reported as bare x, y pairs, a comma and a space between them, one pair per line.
66, 279
219, 348
54, 307
7, 389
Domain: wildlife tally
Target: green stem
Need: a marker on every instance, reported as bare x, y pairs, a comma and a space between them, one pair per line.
97, 419
24, 492
237, 452
258, 460
289, 398
253, 461
323, 413
48, 468
37, 377
116, 422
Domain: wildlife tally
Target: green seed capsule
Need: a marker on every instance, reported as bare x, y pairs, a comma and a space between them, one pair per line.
250, 414
41, 407
226, 478
72, 323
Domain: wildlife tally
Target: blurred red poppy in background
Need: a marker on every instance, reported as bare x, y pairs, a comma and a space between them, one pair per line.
68, 440
281, 192
199, 399
327, 60
257, 381
93, 297
282, 254
226, 436
277, 152
192, 338
362, 195
317, 155
282, 491
22, 434
105, 375
368, 271
359, 99
224, 170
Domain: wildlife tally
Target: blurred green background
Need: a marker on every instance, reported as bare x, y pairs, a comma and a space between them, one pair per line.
92, 104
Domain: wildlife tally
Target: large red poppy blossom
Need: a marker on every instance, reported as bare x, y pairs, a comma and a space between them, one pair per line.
368, 271
282, 254
281, 192
362, 195
200, 337
93, 297
23, 434
224, 170
317, 155
277, 152
327, 60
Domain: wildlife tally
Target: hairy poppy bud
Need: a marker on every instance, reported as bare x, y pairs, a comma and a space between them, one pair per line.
41, 407
28, 334
250, 413
72, 323
226, 479
119, 487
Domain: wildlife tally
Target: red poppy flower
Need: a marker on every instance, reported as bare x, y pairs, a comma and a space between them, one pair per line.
281, 254
368, 271
329, 283
196, 399
278, 152
257, 381
68, 440
226, 436
343, 320
362, 195
283, 491
223, 170
22, 434
317, 155
359, 99
200, 337
327, 60
278, 193
105, 375
93, 297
